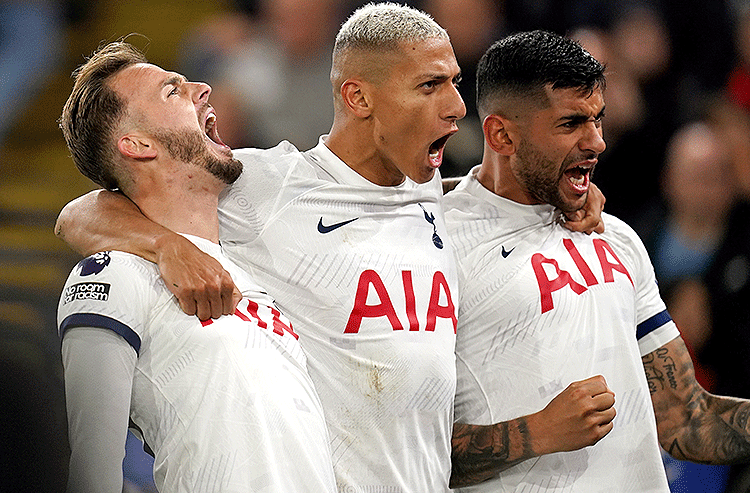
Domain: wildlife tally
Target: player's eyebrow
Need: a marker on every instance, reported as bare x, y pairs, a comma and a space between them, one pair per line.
438, 77
174, 80
580, 118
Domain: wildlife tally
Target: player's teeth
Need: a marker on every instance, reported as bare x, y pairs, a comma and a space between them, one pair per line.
434, 153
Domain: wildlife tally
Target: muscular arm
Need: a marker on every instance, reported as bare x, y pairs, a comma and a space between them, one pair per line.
103, 220
693, 424
579, 416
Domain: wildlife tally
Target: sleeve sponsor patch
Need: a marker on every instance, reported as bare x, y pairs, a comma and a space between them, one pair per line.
97, 291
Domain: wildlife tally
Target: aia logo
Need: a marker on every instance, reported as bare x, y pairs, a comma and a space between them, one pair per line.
369, 281
606, 256
94, 264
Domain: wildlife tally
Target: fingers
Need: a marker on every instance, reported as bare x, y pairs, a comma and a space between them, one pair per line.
598, 197
577, 417
233, 301
199, 281
583, 222
214, 298
593, 385
588, 219
603, 423
574, 217
603, 402
598, 398
187, 304
207, 298
230, 297
600, 407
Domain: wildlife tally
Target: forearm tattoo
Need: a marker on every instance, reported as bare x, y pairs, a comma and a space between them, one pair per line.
692, 423
480, 452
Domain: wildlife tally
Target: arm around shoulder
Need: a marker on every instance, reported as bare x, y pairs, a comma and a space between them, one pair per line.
103, 220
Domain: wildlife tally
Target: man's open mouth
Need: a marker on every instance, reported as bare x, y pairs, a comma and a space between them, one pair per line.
211, 129
436, 150
579, 177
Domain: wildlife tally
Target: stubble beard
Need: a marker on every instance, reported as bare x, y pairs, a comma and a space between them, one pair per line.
190, 147
541, 177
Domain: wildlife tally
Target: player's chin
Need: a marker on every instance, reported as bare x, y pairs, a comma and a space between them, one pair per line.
423, 174
573, 205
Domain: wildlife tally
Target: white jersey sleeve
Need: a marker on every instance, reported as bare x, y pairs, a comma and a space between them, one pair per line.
248, 205
655, 326
99, 351
99, 367
110, 290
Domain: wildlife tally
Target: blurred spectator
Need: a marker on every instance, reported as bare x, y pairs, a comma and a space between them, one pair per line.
640, 61
699, 191
31, 42
728, 279
663, 58
269, 67
738, 84
625, 106
561, 16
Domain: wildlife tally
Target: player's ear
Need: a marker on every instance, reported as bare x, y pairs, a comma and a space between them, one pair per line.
356, 97
498, 135
135, 146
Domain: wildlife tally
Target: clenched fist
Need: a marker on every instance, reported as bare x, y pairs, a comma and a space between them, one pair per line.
579, 416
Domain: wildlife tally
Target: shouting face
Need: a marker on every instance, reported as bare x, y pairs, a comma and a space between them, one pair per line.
558, 148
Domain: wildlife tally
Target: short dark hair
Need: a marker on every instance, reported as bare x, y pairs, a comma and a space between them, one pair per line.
522, 64
93, 111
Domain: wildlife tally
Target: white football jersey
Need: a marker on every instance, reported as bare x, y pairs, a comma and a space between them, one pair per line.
368, 278
542, 307
225, 405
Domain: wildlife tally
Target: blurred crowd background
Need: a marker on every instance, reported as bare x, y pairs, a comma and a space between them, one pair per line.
677, 165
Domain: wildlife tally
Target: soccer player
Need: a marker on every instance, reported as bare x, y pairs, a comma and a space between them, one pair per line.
226, 405
349, 238
542, 306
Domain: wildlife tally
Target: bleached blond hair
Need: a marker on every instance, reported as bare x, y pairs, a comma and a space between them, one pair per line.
381, 27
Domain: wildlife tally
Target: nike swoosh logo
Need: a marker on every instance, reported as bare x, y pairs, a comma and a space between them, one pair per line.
327, 229
505, 252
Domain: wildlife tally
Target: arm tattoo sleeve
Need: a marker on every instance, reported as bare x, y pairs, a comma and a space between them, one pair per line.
692, 423
480, 452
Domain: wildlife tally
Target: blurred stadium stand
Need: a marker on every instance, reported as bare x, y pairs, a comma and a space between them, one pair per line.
37, 178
